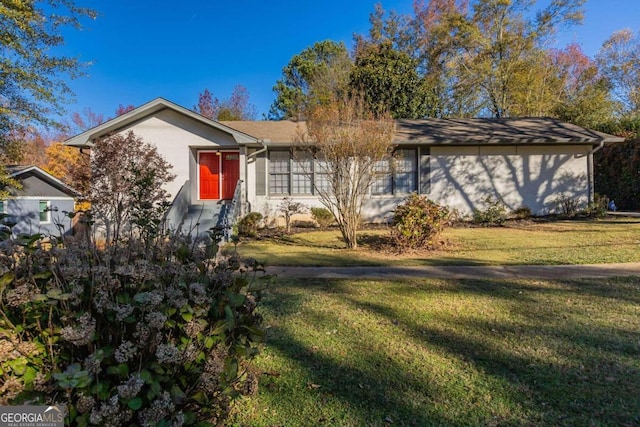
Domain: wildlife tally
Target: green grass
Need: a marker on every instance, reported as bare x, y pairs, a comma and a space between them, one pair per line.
561, 242
445, 352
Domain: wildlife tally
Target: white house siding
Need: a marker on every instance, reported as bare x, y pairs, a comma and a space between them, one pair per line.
179, 138
530, 176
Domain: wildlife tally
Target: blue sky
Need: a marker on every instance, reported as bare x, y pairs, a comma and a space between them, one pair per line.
142, 49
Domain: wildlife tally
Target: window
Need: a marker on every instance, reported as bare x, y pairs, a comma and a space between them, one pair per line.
45, 213
279, 172
396, 175
3, 206
291, 174
321, 171
302, 172
382, 183
404, 173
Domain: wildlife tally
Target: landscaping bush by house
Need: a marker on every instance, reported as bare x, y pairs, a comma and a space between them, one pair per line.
494, 212
248, 225
323, 217
417, 223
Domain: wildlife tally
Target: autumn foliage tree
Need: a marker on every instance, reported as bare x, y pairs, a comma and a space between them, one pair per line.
347, 140
127, 172
236, 107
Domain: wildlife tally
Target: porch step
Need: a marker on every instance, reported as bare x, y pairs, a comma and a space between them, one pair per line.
200, 218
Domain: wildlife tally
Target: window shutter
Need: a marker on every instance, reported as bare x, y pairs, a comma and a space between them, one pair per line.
425, 170
261, 174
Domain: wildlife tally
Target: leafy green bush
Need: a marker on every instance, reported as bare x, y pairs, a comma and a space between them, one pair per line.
323, 217
598, 208
146, 331
494, 213
522, 213
417, 223
248, 226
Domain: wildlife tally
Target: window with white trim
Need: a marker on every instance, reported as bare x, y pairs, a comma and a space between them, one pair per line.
302, 173
45, 212
279, 172
396, 175
321, 170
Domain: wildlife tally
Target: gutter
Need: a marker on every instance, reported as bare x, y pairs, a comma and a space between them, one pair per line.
590, 171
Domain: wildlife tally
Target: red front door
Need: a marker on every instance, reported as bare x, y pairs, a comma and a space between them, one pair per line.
230, 174
209, 176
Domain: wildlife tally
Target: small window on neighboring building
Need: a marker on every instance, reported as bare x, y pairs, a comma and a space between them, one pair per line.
45, 213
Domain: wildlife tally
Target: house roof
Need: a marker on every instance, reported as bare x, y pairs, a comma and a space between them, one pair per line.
530, 130
533, 130
279, 131
17, 171
85, 139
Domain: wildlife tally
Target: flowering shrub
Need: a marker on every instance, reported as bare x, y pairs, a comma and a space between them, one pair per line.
418, 222
148, 331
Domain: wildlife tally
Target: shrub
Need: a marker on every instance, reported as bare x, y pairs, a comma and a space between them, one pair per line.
417, 223
494, 213
248, 226
598, 208
323, 217
567, 206
147, 331
522, 213
290, 208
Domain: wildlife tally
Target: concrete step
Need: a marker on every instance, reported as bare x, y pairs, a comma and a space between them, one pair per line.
202, 217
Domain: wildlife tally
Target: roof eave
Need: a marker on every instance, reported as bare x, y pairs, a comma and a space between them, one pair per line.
86, 139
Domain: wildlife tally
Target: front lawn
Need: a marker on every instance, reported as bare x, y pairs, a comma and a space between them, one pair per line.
560, 242
449, 352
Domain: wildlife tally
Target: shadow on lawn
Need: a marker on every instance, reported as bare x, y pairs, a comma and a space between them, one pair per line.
550, 363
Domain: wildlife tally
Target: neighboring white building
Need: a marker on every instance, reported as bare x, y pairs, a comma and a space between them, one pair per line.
523, 162
40, 206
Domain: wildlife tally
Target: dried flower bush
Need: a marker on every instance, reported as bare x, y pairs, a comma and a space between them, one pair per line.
149, 330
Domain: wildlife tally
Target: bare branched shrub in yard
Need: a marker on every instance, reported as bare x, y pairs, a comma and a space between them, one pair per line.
151, 331
347, 140
289, 208
417, 223
567, 206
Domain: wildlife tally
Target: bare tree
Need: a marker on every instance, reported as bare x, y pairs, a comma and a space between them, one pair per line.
347, 141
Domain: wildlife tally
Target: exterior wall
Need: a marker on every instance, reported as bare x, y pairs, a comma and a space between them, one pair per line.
531, 176
462, 177
25, 212
178, 138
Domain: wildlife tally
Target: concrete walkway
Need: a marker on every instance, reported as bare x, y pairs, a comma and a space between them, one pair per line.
462, 272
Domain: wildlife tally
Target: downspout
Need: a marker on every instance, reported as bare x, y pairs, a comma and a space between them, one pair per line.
590, 171
246, 170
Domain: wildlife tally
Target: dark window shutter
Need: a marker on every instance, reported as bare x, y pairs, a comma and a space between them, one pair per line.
425, 170
261, 174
